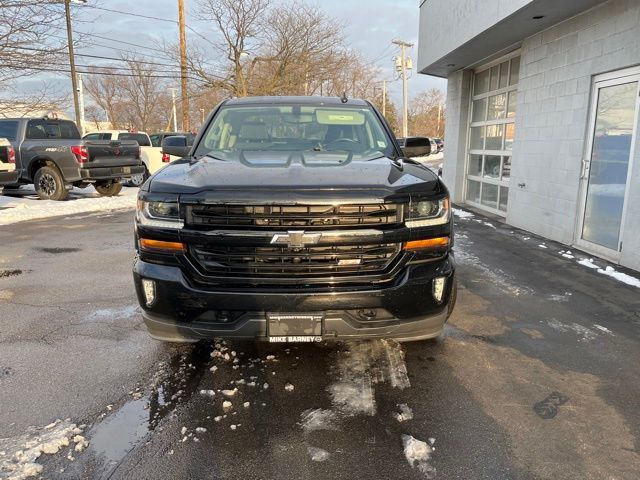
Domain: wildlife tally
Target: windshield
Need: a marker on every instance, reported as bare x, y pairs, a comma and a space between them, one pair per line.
317, 132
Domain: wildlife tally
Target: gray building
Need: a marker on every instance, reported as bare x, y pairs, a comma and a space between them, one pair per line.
543, 101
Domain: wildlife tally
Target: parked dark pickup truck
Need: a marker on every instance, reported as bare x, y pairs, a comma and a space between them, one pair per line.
50, 155
294, 219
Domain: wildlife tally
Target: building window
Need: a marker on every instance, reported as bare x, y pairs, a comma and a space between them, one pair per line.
491, 134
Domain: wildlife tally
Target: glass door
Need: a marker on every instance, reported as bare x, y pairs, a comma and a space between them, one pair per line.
606, 168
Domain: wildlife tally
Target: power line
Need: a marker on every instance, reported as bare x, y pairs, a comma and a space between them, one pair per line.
62, 70
149, 17
97, 56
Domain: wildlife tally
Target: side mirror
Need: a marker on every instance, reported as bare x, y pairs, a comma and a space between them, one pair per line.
176, 146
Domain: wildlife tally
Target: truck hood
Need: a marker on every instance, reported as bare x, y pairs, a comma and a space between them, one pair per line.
285, 179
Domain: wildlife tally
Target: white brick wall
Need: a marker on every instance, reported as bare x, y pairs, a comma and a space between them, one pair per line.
457, 118
555, 85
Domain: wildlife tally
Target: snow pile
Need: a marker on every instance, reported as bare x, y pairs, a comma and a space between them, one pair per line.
418, 454
462, 214
621, 277
611, 272
14, 210
18, 455
318, 454
588, 262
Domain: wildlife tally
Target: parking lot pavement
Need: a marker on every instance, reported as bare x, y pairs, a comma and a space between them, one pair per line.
535, 377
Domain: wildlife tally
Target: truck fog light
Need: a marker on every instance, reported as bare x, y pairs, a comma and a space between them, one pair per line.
149, 289
438, 288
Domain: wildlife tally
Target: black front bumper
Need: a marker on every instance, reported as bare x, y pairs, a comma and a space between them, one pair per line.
110, 173
403, 310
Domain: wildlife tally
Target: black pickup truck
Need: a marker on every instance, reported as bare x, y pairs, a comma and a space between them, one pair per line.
50, 154
294, 219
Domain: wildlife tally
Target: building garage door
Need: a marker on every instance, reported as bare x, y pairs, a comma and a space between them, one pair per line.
491, 133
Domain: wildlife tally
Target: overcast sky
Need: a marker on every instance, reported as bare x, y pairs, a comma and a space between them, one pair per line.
370, 27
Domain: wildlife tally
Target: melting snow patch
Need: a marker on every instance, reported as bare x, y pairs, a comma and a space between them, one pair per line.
588, 262
362, 365
226, 405
585, 333
405, 413
462, 214
603, 329
542, 245
319, 419
229, 393
288, 387
489, 224
418, 454
25, 208
318, 454
18, 455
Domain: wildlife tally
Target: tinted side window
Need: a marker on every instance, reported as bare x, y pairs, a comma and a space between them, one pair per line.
143, 140
9, 130
93, 136
417, 142
155, 140
67, 130
107, 136
36, 130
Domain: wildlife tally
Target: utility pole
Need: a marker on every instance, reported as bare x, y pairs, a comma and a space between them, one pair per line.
72, 61
439, 117
202, 111
183, 68
402, 68
81, 103
174, 113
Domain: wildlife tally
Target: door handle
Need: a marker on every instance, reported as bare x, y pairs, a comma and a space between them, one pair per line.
584, 170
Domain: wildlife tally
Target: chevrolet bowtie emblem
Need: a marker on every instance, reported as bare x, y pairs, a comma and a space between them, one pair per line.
296, 239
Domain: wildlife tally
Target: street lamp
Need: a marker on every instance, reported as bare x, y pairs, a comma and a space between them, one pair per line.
72, 61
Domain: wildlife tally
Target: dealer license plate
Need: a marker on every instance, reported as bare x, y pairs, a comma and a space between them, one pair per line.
294, 327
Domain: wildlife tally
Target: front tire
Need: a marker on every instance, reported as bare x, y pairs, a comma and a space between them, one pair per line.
109, 189
49, 184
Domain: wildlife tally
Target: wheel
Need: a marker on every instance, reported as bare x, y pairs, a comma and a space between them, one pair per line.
108, 189
49, 184
139, 179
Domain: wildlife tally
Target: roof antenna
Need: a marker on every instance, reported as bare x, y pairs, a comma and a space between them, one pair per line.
344, 98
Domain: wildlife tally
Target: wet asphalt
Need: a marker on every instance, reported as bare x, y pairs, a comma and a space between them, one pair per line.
535, 377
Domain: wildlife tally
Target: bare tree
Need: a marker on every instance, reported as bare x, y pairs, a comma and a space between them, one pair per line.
426, 113
240, 23
107, 92
142, 91
26, 44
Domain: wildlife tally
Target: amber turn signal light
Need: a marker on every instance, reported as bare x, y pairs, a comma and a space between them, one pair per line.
429, 243
161, 246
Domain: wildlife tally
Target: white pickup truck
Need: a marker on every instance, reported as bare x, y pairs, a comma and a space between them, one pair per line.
151, 156
8, 173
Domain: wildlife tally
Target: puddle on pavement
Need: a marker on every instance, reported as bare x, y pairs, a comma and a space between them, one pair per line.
114, 437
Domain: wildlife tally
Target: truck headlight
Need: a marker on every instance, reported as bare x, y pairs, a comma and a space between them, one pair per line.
159, 214
426, 213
